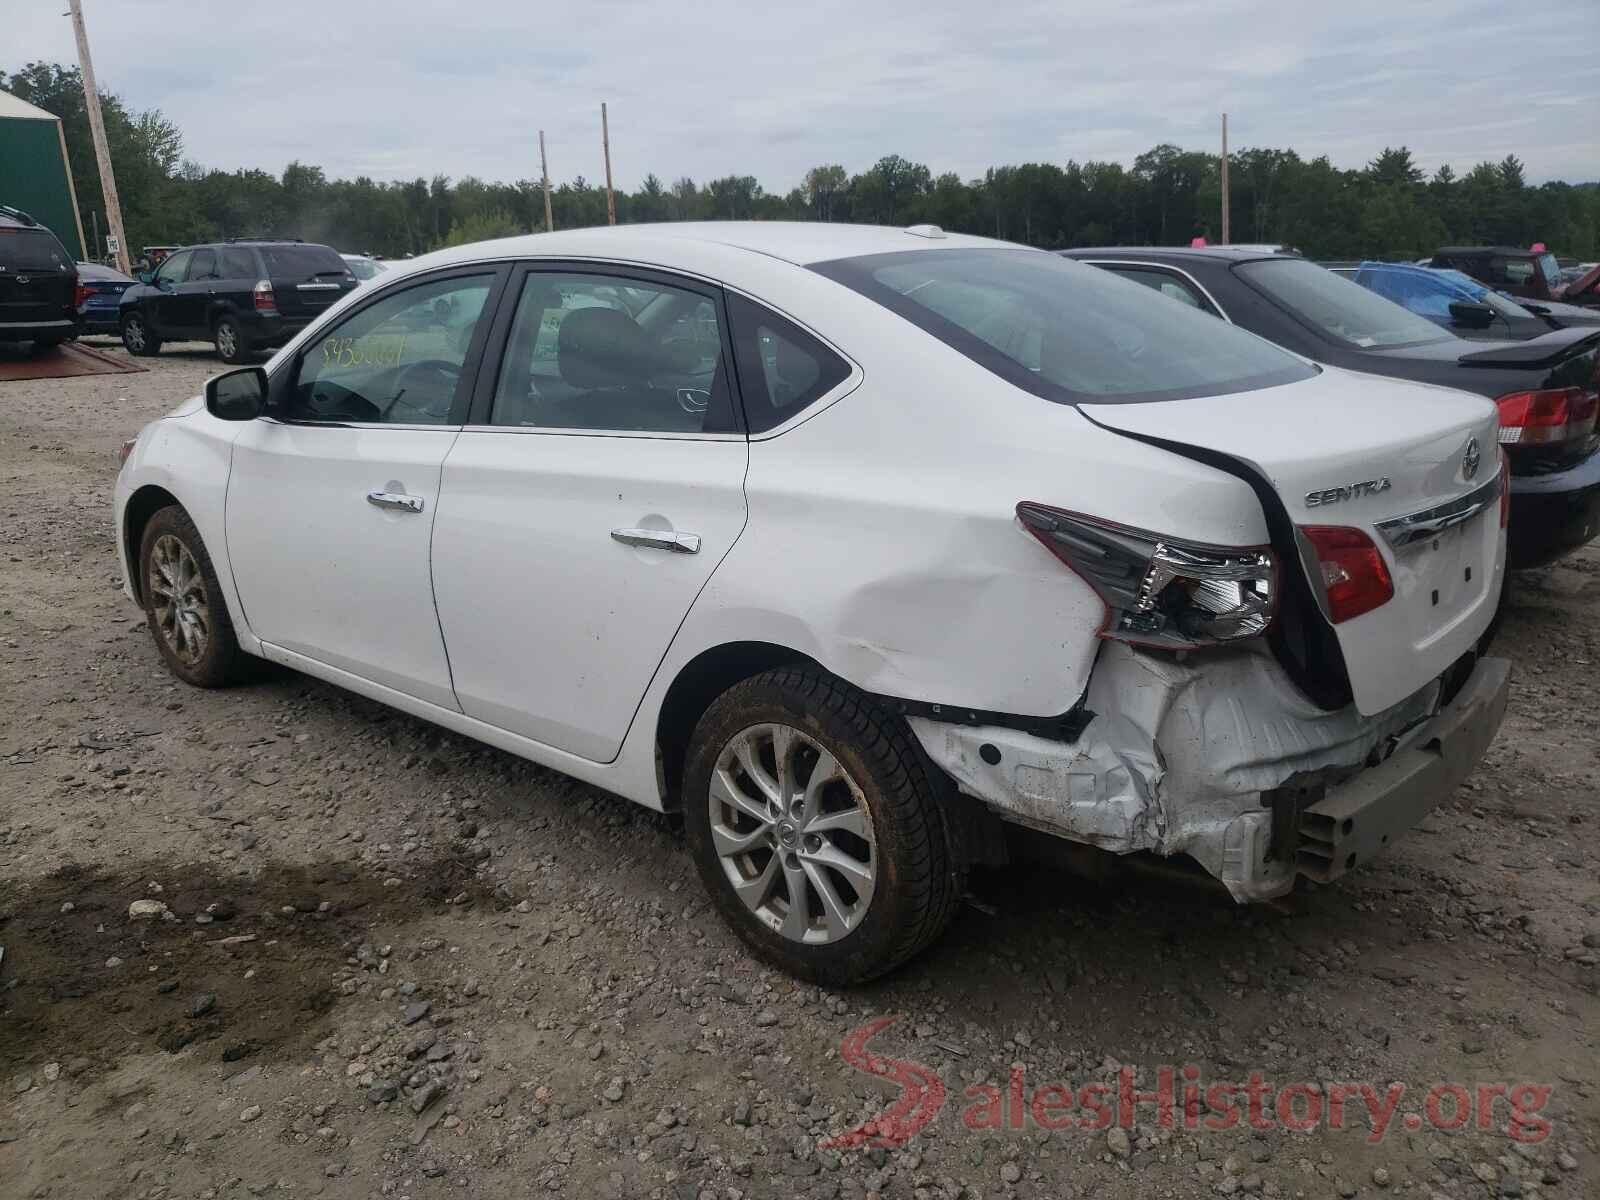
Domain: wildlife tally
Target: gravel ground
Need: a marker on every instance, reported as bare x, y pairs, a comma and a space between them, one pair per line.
383, 960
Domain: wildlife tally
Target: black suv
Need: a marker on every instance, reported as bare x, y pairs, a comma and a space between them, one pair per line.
38, 283
241, 295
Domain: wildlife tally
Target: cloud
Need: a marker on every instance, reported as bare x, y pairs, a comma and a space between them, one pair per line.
402, 89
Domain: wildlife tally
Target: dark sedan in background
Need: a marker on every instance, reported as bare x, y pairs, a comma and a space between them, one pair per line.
1547, 388
99, 295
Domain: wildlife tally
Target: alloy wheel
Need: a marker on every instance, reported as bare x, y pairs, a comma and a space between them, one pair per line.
227, 339
177, 590
133, 334
793, 834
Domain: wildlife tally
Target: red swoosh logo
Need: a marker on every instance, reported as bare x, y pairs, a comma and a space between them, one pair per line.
921, 1092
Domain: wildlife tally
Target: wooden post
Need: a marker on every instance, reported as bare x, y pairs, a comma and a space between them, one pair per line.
97, 130
605, 144
92, 253
1225, 238
544, 170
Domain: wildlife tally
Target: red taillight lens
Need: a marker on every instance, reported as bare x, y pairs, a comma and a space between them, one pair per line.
1548, 415
265, 301
80, 296
1354, 574
126, 449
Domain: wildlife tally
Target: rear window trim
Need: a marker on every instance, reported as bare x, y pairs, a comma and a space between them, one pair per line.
853, 272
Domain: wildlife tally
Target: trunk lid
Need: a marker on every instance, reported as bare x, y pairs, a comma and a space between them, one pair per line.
1365, 452
306, 278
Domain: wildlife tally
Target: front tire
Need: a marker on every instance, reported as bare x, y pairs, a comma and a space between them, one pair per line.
814, 823
137, 337
232, 345
183, 603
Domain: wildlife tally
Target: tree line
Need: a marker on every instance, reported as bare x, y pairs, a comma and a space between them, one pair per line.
1389, 208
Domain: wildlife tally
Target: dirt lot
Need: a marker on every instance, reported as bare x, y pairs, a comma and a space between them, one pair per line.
394, 962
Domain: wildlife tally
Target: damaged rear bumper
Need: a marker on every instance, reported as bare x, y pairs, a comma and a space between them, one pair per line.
1223, 759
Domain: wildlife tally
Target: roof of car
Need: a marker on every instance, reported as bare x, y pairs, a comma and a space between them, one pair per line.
15, 218
89, 270
1511, 250
1222, 253
800, 242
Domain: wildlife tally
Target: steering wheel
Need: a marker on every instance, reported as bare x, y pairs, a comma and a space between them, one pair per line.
437, 370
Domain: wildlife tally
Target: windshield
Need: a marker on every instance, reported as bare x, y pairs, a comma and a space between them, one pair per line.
1064, 331
1336, 307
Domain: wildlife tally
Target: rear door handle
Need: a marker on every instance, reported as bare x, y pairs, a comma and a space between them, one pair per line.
395, 500
659, 539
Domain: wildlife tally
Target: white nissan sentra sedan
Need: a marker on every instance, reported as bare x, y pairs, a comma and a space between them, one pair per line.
852, 545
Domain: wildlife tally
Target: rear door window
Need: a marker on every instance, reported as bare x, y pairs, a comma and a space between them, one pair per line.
236, 262
1169, 283
204, 265
782, 368
1066, 331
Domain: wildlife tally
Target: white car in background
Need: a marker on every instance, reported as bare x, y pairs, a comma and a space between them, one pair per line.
853, 545
364, 267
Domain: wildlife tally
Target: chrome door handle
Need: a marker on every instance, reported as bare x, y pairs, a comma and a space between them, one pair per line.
395, 500
659, 539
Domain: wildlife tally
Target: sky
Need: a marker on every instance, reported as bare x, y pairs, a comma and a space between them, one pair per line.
708, 88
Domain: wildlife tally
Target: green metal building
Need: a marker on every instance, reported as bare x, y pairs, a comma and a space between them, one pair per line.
34, 174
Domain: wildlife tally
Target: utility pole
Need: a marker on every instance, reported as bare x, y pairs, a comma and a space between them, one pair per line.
97, 130
1225, 238
544, 170
605, 144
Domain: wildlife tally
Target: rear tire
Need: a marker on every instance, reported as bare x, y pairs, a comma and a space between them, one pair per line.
864, 845
232, 345
183, 603
137, 337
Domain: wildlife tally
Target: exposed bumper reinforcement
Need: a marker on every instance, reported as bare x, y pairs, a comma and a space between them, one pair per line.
1355, 821
1199, 758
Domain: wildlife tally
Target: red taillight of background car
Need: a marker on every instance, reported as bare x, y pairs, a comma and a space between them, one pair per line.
1540, 418
1354, 575
80, 296
265, 301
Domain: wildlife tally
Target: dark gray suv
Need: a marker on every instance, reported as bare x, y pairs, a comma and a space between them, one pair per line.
38, 283
242, 296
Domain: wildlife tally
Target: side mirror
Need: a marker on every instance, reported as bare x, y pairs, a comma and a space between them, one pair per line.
1471, 314
145, 276
237, 395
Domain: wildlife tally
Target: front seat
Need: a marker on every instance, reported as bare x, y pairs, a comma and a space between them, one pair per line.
608, 361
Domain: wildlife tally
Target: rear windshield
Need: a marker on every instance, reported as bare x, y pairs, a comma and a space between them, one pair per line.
1065, 331
1337, 307
32, 250
302, 262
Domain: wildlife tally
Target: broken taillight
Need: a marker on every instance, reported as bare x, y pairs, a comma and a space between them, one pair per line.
1354, 575
1158, 590
1547, 415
